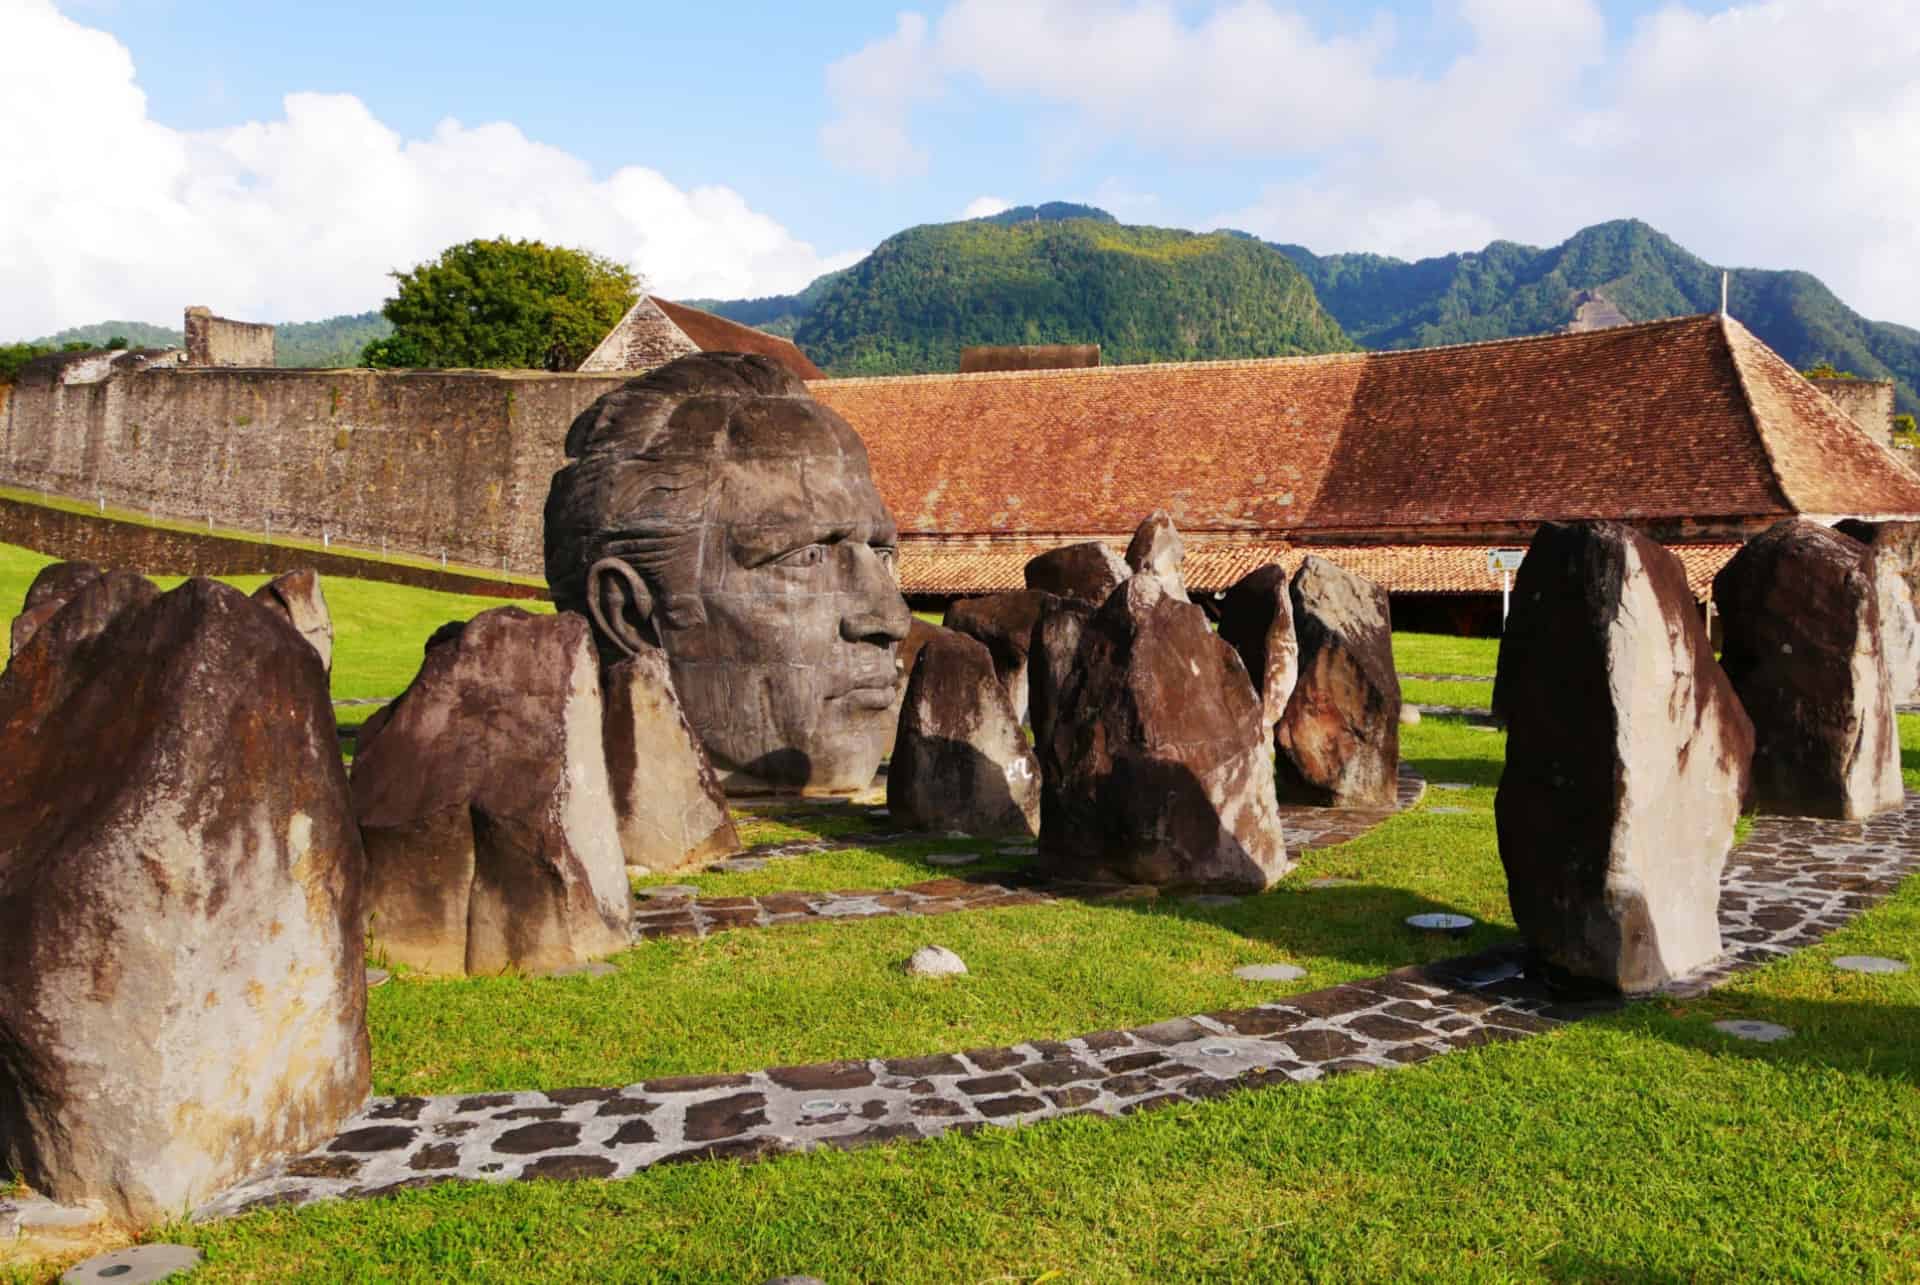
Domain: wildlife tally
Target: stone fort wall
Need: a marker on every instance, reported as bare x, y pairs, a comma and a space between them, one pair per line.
430, 462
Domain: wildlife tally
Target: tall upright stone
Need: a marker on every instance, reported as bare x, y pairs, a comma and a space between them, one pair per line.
297, 596
1157, 755
1087, 572
1339, 740
1800, 607
1896, 554
182, 979
1004, 622
1256, 617
1157, 549
919, 634
61, 582
667, 800
1051, 657
961, 761
493, 840
1627, 760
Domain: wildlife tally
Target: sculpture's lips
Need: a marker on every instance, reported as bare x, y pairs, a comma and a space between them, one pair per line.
868, 697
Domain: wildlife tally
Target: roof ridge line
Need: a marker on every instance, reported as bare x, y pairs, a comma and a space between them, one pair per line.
1241, 363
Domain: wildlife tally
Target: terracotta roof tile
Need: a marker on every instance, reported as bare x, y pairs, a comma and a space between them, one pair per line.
1676, 419
969, 567
711, 333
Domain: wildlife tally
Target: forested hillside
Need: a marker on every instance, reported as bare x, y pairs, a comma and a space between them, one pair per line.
1142, 294
1509, 289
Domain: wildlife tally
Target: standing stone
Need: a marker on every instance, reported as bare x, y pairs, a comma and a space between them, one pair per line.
1004, 622
962, 762
1086, 573
492, 837
182, 980
1157, 755
1800, 605
1256, 616
1339, 741
1050, 659
1627, 759
57, 584
1896, 553
919, 633
667, 798
297, 596
1157, 549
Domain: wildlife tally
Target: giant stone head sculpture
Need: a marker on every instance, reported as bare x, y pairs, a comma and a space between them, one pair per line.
713, 509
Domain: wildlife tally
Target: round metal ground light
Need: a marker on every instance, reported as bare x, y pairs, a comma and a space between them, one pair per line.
1440, 921
1869, 964
1758, 1032
137, 1265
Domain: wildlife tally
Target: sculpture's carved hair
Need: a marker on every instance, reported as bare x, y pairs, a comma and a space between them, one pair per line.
639, 481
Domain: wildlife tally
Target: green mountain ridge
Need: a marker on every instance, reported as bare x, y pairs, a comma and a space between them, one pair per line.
332, 341
1509, 289
1051, 276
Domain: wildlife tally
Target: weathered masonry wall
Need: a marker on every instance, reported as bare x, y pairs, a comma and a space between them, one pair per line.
215, 341
1867, 402
453, 461
160, 551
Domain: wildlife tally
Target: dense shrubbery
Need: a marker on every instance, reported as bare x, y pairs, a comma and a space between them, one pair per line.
502, 305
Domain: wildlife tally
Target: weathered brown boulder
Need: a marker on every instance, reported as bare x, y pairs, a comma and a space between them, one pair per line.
1627, 760
1339, 741
296, 595
1086, 573
1050, 659
1157, 548
1896, 554
961, 762
182, 985
1800, 606
491, 832
667, 798
1004, 622
58, 583
1157, 755
1256, 617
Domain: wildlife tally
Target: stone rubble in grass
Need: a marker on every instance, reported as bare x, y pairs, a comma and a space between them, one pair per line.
1794, 881
935, 961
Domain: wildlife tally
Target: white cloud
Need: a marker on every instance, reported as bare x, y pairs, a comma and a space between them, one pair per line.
106, 213
1778, 133
872, 90
982, 206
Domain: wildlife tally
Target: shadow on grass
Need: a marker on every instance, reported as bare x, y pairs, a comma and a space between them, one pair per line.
1854, 1036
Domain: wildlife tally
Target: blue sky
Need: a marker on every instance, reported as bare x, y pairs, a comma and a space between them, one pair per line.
741, 149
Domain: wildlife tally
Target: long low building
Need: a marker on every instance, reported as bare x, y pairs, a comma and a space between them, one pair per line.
1407, 466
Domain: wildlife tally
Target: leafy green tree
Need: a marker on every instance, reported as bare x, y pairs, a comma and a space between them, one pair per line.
503, 304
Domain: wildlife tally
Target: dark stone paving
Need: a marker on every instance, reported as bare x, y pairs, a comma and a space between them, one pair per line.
1794, 881
672, 914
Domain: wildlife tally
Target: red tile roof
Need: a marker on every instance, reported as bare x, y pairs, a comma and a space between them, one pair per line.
717, 334
1682, 419
968, 567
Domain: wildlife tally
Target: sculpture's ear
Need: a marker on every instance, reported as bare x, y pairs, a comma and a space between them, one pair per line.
621, 606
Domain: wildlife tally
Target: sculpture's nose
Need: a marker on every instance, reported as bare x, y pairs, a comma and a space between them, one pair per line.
875, 612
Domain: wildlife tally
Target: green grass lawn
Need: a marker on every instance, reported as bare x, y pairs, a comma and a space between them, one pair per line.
1640, 1147
378, 628
1419, 691
1444, 654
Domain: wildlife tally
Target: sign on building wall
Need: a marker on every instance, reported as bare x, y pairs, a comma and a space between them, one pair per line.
1499, 560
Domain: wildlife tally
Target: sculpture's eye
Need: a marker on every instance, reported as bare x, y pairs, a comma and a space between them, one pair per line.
807, 555
887, 554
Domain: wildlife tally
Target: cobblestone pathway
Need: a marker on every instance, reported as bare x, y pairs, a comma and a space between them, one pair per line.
669, 913
1795, 880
